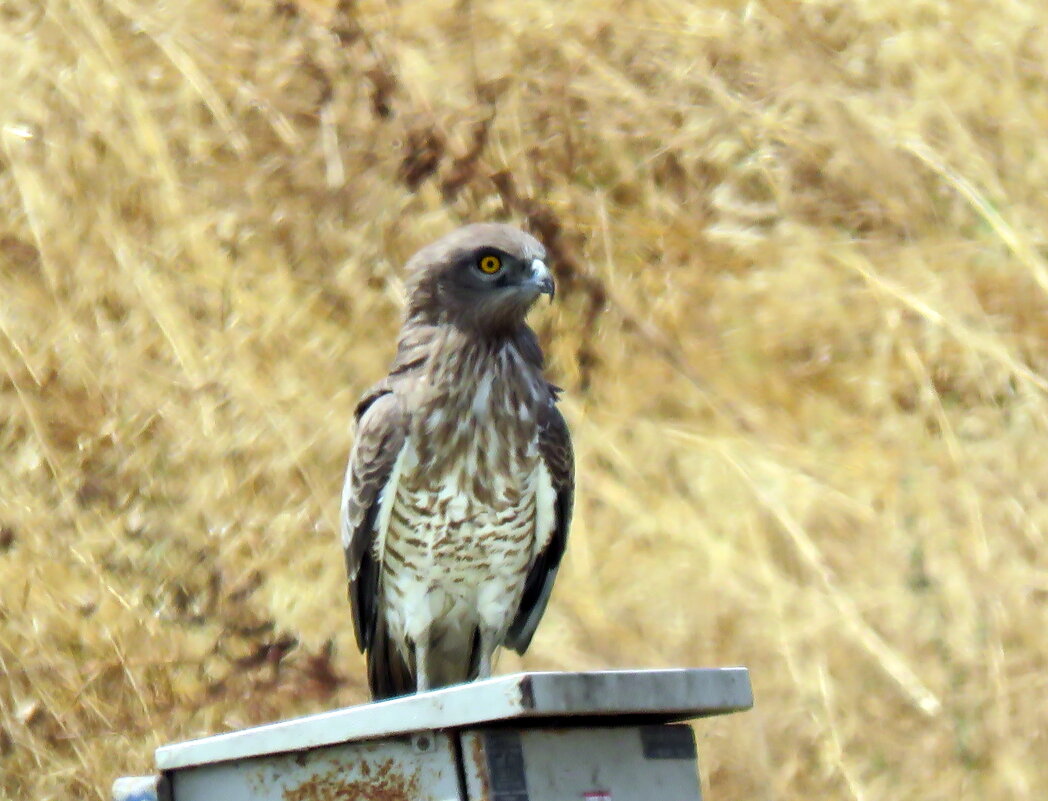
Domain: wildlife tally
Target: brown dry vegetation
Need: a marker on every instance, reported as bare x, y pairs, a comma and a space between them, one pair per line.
803, 264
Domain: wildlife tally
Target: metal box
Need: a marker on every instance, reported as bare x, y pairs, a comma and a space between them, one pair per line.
599, 736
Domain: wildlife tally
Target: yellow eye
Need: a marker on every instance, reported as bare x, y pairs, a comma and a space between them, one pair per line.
490, 264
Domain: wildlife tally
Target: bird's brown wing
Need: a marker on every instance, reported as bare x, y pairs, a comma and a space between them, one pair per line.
381, 430
555, 450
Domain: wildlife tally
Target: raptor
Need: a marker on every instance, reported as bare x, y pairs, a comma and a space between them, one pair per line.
459, 490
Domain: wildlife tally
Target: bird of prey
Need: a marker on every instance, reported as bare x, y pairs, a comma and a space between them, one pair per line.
459, 489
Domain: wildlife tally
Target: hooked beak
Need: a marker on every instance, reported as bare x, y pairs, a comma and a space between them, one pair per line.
542, 279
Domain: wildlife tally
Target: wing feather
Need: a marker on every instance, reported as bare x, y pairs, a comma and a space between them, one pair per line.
559, 462
370, 477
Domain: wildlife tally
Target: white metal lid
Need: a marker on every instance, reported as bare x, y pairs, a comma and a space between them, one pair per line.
624, 696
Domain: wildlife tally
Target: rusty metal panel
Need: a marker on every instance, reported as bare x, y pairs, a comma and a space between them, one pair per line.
620, 763
625, 696
421, 767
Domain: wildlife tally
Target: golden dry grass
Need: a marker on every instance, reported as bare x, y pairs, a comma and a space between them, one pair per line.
803, 265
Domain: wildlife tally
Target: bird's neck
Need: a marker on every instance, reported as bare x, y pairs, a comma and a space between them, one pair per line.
424, 344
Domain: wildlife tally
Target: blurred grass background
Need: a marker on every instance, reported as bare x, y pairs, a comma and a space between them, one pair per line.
802, 257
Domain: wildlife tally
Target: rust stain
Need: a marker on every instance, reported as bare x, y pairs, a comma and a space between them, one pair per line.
480, 763
387, 784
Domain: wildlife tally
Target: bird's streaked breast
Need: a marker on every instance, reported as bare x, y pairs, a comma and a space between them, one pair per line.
472, 500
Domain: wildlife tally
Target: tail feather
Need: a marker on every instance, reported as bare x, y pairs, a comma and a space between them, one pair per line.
449, 662
453, 657
389, 675
474, 657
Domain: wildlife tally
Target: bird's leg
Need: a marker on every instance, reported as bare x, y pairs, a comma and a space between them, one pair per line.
422, 681
487, 649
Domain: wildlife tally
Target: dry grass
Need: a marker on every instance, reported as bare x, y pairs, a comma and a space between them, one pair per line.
804, 335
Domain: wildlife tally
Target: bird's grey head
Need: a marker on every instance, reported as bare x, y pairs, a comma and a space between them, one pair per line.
483, 277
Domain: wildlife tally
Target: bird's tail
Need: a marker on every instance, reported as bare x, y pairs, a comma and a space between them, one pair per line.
450, 661
389, 675
453, 657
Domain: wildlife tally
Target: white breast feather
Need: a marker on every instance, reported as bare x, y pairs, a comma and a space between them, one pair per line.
480, 400
436, 417
545, 508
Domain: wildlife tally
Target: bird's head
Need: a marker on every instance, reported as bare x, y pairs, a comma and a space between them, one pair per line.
483, 277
